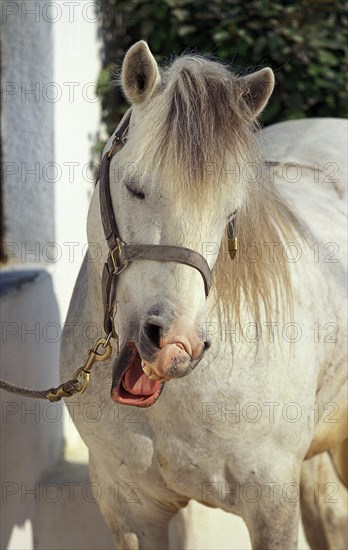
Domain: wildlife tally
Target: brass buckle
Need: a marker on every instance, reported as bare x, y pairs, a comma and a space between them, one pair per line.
118, 140
113, 147
232, 245
118, 266
83, 373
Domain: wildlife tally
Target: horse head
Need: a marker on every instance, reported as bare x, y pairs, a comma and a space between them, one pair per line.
175, 182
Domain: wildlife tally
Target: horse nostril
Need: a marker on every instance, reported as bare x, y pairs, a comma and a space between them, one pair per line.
207, 344
153, 332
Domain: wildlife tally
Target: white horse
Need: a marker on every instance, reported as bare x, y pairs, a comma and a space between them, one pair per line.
265, 351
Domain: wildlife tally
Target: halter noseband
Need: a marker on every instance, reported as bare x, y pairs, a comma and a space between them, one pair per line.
120, 253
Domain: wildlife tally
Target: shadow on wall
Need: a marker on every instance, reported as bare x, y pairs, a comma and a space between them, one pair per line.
31, 430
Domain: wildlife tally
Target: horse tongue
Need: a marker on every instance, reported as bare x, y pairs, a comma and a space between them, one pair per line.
138, 385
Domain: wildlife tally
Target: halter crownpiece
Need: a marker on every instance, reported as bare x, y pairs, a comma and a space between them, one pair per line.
120, 253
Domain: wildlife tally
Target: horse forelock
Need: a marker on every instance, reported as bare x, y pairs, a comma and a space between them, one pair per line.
198, 121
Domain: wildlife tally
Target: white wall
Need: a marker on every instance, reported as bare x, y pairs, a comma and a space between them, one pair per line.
27, 131
76, 121
31, 431
77, 118
50, 63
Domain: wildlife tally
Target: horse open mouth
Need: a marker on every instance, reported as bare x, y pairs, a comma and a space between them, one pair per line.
131, 386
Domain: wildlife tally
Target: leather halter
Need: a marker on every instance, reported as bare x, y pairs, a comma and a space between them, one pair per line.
120, 253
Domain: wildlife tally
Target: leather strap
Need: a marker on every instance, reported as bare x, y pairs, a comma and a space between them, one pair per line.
109, 224
121, 253
168, 253
160, 253
107, 212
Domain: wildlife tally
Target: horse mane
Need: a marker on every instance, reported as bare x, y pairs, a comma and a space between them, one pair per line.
198, 117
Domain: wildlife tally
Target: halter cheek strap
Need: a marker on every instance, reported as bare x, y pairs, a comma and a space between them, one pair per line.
120, 253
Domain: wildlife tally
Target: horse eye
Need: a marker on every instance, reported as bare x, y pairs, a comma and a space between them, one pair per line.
135, 192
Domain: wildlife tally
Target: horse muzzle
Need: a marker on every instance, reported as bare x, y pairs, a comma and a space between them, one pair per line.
130, 385
173, 360
141, 370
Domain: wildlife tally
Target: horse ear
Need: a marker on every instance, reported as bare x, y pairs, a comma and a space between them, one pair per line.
140, 75
257, 89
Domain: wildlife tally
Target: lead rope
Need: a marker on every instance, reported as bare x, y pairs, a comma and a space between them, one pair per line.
77, 385
53, 394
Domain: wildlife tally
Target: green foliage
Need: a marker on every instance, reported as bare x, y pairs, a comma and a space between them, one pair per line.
303, 41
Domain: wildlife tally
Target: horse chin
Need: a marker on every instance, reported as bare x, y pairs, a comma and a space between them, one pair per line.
130, 385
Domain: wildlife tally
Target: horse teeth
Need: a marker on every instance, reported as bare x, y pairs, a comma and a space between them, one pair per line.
149, 372
146, 369
154, 376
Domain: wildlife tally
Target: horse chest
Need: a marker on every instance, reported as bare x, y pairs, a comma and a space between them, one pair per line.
208, 476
